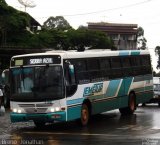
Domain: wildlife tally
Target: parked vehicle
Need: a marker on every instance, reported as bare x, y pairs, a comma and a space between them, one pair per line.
156, 90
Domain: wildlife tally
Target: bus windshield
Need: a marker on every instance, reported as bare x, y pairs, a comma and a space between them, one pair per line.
37, 83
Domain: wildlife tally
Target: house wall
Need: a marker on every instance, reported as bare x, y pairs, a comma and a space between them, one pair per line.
123, 35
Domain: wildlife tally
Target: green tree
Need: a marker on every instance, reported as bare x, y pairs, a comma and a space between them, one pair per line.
43, 39
3, 13
56, 33
58, 22
83, 38
3, 2
141, 40
13, 25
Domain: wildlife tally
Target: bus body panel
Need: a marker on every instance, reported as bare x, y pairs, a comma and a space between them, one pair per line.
113, 95
47, 117
39, 111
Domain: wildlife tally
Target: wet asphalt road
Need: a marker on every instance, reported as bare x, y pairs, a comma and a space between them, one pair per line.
142, 128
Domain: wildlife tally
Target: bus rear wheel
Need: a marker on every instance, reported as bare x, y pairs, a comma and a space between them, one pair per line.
85, 115
131, 106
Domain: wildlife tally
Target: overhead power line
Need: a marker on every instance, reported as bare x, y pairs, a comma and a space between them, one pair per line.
116, 8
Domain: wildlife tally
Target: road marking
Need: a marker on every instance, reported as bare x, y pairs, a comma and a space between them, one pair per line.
105, 136
126, 127
68, 133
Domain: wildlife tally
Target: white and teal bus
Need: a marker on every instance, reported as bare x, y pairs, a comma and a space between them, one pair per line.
70, 85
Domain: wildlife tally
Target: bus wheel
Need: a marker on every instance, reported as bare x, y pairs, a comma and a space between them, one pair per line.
84, 115
159, 104
39, 124
131, 106
132, 103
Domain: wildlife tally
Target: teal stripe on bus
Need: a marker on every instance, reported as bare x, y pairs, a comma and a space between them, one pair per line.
147, 88
139, 89
75, 101
143, 89
112, 88
73, 112
143, 78
135, 52
124, 89
124, 53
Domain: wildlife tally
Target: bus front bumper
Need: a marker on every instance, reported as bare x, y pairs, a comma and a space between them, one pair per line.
46, 117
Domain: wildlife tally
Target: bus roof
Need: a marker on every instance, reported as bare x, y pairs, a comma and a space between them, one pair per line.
87, 53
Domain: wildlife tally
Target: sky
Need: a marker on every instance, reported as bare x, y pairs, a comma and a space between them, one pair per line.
145, 13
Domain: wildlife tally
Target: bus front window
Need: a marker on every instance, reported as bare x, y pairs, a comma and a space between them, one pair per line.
37, 83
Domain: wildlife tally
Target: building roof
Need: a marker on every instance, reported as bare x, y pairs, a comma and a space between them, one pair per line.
114, 28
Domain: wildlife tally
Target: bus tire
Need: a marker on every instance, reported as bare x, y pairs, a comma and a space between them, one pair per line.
159, 104
85, 115
39, 124
131, 105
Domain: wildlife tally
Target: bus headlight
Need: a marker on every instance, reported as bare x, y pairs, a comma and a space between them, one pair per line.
52, 109
19, 111
15, 110
55, 109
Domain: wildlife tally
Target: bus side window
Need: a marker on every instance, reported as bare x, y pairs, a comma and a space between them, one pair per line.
105, 68
81, 72
116, 67
93, 69
136, 65
126, 65
146, 64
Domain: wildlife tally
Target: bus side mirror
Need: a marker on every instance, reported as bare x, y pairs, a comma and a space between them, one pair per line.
71, 74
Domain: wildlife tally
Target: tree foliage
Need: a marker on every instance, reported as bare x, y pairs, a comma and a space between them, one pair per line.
70, 40
12, 25
57, 22
56, 33
141, 40
157, 52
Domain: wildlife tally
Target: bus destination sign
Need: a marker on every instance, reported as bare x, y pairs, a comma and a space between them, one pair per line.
41, 61
36, 60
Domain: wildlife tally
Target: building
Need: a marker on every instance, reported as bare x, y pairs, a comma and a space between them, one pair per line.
123, 35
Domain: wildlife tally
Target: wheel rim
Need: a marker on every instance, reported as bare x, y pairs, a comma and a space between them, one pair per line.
84, 115
132, 103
